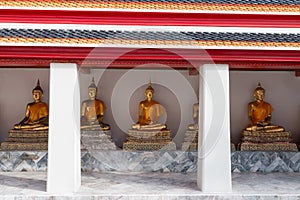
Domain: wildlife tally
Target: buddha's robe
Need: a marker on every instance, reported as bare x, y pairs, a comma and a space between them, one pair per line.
260, 111
92, 111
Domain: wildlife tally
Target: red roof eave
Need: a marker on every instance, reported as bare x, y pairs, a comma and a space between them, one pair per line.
128, 58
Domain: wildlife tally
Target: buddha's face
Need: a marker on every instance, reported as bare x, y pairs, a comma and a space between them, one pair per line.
259, 95
92, 93
37, 95
149, 94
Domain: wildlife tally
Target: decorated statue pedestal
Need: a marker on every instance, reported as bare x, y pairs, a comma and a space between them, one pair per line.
267, 141
26, 140
190, 142
149, 140
97, 140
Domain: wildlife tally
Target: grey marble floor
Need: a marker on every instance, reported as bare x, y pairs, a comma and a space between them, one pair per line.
32, 185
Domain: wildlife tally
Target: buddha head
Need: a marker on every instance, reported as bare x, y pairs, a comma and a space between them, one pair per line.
92, 90
259, 93
37, 92
149, 91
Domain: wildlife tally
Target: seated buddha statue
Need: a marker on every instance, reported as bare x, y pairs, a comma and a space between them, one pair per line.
149, 133
261, 135
190, 141
195, 126
92, 111
36, 116
259, 113
150, 112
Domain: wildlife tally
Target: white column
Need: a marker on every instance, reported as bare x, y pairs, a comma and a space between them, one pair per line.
214, 165
64, 169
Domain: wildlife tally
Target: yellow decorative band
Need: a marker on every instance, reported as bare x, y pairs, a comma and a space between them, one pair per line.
219, 43
150, 5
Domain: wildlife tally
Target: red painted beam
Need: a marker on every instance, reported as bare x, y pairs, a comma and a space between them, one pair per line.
128, 58
147, 18
148, 54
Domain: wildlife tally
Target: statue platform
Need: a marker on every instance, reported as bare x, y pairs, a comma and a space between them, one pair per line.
190, 142
97, 140
267, 141
149, 140
26, 140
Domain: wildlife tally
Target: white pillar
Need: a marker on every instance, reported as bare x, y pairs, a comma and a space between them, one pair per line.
64, 169
214, 165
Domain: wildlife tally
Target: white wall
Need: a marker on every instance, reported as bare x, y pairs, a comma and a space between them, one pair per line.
282, 91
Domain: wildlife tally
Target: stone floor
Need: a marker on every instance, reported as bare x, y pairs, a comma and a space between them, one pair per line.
32, 185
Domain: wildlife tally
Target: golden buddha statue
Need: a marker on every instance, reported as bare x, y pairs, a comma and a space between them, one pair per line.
190, 141
261, 135
32, 132
36, 117
259, 113
195, 126
148, 134
150, 112
92, 111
